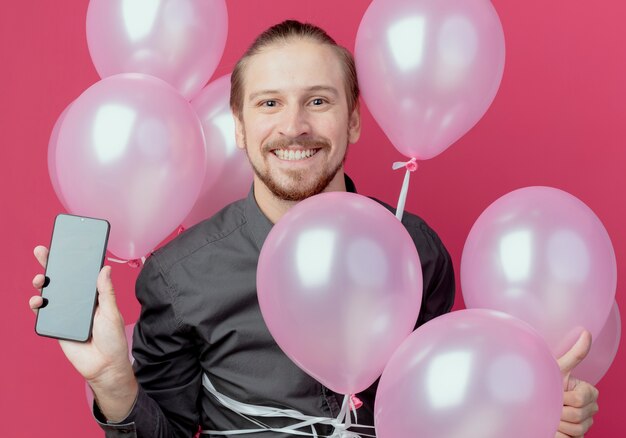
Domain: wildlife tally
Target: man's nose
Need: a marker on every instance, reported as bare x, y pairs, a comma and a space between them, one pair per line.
295, 122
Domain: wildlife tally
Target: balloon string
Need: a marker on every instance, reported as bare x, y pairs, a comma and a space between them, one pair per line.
410, 166
355, 403
340, 424
133, 263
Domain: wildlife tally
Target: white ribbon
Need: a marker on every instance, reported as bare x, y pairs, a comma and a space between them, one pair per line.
411, 166
341, 424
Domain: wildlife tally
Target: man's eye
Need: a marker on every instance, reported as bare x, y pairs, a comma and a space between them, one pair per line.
317, 101
269, 103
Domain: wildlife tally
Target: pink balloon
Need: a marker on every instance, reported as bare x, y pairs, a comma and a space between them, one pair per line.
542, 255
228, 175
429, 69
471, 374
131, 150
128, 330
603, 350
52, 150
340, 285
179, 41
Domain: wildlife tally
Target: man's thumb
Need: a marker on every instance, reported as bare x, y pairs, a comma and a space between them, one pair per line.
106, 293
576, 354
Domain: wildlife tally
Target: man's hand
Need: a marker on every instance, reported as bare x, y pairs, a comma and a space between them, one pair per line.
103, 360
580, 399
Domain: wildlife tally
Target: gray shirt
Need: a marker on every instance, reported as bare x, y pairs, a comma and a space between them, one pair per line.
200, 314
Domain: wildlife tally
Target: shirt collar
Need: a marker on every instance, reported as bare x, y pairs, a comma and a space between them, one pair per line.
350, 187
259, 225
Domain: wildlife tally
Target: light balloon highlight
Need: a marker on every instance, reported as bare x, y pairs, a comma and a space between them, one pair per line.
542, 255
473, 374
429, 69
339, 285
131, 150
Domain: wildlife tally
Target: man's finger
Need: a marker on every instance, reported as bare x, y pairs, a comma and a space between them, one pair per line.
39, 281
41, 254
582, 395
577, 415
576, 354
575, 429
35, 303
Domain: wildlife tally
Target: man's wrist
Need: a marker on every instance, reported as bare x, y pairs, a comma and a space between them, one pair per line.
115, 393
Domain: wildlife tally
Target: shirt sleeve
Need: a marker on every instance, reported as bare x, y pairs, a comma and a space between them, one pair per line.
166, 365
144, 407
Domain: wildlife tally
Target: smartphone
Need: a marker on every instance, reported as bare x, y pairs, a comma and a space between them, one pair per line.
76, 255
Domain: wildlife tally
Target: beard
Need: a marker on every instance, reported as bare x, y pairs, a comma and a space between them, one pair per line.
297, 185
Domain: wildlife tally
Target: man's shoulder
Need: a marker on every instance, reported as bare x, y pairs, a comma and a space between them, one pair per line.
224, 224
425, 238
409, 220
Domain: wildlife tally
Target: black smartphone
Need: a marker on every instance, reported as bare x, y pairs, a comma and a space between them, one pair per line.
77, 252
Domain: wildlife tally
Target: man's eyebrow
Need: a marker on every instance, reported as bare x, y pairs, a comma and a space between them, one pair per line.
326, 88
261, 93
314, 88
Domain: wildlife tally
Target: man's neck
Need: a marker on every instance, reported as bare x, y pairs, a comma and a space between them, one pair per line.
274, 208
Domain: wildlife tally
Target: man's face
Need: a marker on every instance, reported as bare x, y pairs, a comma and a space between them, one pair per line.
295, 124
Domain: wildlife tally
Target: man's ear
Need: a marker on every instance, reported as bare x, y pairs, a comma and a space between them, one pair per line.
239, 132
354, 125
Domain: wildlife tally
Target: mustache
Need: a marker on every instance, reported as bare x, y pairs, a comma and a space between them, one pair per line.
305, 142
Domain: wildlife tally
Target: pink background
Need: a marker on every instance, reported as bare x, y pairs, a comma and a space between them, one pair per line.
558, 120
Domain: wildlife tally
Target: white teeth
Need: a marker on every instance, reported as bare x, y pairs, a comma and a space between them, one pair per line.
291, 155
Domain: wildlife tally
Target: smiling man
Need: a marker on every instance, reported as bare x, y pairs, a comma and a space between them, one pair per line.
203, 355
296, 109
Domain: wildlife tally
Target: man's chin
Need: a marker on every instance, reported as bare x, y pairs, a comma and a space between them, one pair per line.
297, 190
295, 194
297, 186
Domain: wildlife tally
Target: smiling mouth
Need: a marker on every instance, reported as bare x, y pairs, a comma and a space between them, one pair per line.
294, 155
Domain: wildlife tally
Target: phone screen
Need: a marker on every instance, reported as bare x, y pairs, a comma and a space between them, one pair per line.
77, 252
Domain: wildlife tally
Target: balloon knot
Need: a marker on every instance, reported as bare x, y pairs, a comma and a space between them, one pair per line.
180, 230
355, 401
134, 263
410, 166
